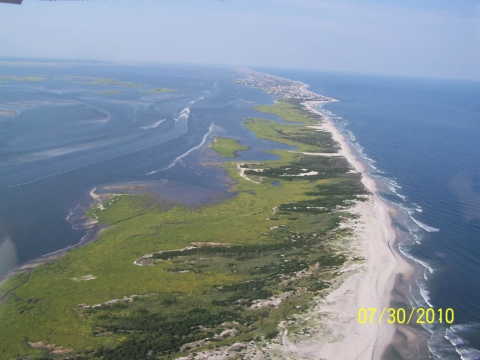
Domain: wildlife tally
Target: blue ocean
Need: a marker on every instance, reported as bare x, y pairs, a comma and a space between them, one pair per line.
421, 140
70, 133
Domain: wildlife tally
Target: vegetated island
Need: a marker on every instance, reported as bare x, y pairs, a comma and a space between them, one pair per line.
160, 90
100, 81
108, 92
107, 81
275, 272
227, 147
22, 78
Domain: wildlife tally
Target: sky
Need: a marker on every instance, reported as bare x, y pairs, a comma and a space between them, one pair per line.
428, 38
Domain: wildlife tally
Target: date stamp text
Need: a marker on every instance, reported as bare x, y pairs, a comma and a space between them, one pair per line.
406, 316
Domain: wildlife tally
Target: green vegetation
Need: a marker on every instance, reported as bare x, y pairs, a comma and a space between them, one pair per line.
290, 110
12, 284
303, 138
160, 90
111, 92
227, 147
208, 269
101, 81
106, 81
23, 78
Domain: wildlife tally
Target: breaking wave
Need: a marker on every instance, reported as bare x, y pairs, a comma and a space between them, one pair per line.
415, 230
425, 226
184, 114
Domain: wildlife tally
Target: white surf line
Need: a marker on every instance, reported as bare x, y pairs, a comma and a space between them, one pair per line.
152, 126
185, 113
424, 226
177, 159
210, 129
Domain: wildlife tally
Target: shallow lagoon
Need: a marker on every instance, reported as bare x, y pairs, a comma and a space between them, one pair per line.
76, 133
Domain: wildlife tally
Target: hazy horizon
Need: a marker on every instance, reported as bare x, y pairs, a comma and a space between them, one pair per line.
430, 39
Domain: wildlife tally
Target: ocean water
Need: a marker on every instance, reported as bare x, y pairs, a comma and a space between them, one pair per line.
421, 140
68, 136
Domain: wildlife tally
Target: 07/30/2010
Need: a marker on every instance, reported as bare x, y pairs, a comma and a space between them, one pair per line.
406, 316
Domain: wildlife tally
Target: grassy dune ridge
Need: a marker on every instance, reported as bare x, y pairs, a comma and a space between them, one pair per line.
277, 242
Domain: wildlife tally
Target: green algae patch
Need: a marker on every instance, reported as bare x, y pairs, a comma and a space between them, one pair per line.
167, 279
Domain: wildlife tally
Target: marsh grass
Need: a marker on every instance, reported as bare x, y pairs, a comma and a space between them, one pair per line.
227, 147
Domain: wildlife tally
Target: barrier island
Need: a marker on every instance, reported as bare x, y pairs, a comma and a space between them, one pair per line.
251, 276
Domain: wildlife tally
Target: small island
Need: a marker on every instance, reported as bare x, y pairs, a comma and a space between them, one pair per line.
227, 147
110, 92
22, 78
160, 90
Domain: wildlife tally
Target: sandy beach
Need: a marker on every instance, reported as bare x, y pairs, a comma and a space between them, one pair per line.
336, 332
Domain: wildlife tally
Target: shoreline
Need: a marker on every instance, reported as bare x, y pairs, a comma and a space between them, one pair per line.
31, 265
377, 285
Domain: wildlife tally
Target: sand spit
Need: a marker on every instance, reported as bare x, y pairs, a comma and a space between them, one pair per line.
241, 172
127, 299
149, 260
310, 173
85, 278
52, 349
102, 197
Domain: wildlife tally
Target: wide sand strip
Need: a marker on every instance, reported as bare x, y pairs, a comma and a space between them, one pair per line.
338, 334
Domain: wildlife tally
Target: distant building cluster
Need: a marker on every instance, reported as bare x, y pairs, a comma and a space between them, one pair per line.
283, 88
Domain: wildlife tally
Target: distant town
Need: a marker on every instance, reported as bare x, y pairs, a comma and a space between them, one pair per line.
283, 88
